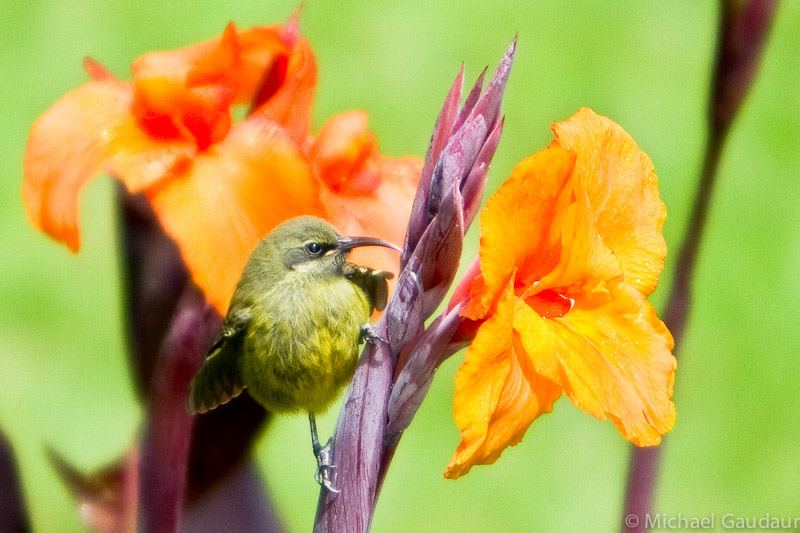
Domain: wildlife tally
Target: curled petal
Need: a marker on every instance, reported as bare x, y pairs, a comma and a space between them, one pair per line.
234, 60
489, 102
498, 394
437, 254
622, 189
475, 183
405, 321
229, 197
188, 92
584, 260
457, 159
89, 130
610, 355
516, 226
290, 96
257, 47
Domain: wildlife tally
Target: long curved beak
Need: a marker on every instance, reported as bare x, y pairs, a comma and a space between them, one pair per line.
348, 243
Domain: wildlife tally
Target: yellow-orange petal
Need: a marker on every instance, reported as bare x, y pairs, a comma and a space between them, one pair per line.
517, 232
498, 394
382, 212
289, 104
89, 130
584, 260
622, 189
610, 355
232, 195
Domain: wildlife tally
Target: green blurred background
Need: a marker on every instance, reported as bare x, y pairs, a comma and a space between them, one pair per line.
64, 380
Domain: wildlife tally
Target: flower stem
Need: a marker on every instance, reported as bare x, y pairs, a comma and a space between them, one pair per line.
13, 515
744, 26
644, 462
168, 427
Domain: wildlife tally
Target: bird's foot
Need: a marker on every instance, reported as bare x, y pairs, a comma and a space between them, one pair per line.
322, 476
369, 334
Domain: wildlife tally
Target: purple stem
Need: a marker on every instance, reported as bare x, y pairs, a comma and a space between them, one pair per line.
155, 278
238, 504
357, 443
744, 26
168, 431
13, 516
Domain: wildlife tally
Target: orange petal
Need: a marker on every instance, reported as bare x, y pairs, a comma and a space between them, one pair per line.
95, 70
622, 189
344, 154
290, 103
517, 226
89, 130
235, 60
498, 394
258, 48
610, 355
364, 193
584, 260
382, 212
189, 92
230, 197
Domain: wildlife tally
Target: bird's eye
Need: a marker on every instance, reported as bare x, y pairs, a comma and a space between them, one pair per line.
314, 248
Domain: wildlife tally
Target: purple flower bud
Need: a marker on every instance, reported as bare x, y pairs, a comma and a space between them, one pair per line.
745, 28
449, 194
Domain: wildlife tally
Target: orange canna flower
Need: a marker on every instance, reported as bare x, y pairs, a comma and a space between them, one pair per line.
571, 247
217, 186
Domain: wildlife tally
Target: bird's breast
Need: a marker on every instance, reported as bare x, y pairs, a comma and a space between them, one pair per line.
302, 346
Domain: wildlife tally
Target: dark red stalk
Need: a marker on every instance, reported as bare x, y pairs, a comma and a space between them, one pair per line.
744, 27
168, 431
13, 516
155, 280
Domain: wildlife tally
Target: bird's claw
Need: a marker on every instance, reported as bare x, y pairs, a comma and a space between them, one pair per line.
324, 466
368, 334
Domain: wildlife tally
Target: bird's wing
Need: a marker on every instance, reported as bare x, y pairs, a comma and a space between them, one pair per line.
372, 282
219, 378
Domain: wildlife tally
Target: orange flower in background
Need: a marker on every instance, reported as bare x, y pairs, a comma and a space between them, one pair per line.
571, 247
217, 186
362, 191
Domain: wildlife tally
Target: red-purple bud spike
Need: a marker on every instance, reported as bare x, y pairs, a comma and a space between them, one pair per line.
419, 218
471, 100
449, 194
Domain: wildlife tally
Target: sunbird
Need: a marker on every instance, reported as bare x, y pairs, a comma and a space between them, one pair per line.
294, 325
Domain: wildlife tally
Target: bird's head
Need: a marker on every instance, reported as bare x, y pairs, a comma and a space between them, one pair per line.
310, 244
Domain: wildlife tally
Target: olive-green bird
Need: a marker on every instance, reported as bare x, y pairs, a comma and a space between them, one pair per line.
294, 324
